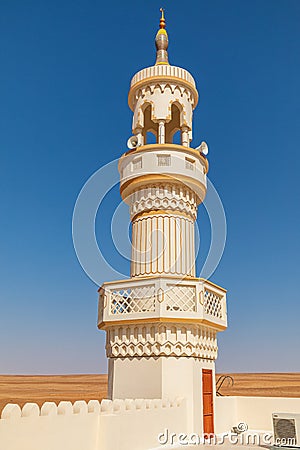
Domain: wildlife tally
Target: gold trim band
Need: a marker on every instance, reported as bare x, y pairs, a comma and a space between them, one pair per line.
213, 325
168, 212
136, 182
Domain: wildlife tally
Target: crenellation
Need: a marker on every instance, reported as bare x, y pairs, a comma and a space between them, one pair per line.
129, 404
119, 406
106, 406
94, 407
140, 403
30, 410
11, 411
80, 407
49, 409
166, 403
65, 408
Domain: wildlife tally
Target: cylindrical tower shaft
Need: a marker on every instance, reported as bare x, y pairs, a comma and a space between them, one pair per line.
163, 243
163, 236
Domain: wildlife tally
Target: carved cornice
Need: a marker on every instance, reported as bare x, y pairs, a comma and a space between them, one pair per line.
163, 80
166, 197
170, 339
143, 181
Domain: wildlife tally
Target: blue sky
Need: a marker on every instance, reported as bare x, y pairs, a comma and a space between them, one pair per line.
65, 72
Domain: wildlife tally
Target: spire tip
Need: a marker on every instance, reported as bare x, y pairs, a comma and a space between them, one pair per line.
162, 22
161, 41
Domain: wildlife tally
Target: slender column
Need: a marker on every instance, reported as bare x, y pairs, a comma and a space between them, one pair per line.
161, 132
185, 137
139, 135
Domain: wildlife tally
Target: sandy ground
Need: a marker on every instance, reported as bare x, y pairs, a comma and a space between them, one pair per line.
263, 385
40, 388
26, 388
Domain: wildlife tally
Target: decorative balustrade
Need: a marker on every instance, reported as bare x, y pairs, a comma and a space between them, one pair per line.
162, 297
213, 303
133, 300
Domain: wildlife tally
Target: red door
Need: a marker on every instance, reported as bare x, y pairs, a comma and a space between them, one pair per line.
208, 401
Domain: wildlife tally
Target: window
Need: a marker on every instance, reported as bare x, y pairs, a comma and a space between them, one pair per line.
164, 160
190, 163
137, 163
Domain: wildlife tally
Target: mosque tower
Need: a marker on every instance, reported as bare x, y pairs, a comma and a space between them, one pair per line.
161, 324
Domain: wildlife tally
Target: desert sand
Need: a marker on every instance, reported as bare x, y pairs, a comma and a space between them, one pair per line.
263, 384
41, 388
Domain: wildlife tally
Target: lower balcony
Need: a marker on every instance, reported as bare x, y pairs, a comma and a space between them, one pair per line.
163, 299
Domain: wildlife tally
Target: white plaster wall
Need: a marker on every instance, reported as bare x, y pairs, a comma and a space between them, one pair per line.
135, 377
52, 428
163, 377
113, 425
132, 424
256, 412
184, 376
225, 414
139, 430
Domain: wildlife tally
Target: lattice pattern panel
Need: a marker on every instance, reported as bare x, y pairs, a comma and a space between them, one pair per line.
213, 304
138, 299
180, 298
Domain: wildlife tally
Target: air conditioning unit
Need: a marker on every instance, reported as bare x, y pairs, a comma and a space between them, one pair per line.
286, 427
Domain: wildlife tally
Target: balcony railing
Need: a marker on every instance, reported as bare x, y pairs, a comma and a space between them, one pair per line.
163, 297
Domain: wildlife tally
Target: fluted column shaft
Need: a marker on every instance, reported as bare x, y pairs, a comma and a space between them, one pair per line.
162, 243
163, 235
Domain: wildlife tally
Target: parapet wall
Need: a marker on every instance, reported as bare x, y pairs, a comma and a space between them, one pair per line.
256, 412
109, 425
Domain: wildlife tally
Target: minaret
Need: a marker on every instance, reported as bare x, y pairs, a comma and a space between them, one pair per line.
162, 323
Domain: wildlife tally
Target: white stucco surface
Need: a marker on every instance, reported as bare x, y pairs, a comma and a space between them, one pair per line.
111, 425
256, 412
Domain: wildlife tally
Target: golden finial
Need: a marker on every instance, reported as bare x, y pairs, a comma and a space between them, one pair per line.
162, 23
161, 41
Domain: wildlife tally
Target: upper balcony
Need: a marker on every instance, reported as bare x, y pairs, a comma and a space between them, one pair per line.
163, 163
163, 299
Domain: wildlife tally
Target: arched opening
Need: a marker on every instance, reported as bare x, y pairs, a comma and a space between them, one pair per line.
173, 130
150, 138
150, 129
177, 137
